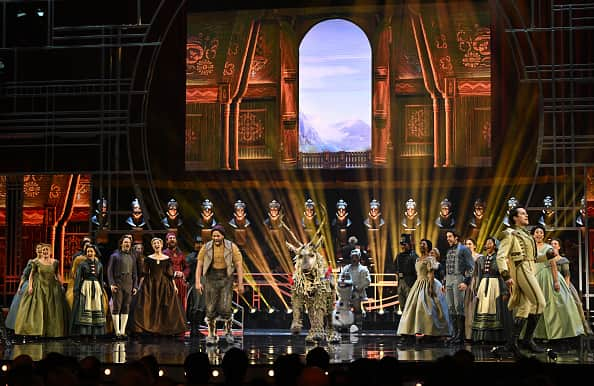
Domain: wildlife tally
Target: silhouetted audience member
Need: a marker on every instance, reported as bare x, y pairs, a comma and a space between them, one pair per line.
21, 372
364, 372
152, 366
135, 373
197, 369
318, 357
234, 365
58, 369
389, 372
313, 376
287, 368
90, 371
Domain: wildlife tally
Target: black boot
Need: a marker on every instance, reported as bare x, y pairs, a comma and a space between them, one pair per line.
528, 342
460, 330
512, 345
455, 332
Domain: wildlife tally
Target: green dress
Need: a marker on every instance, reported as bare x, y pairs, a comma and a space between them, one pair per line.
44, 312
560, 318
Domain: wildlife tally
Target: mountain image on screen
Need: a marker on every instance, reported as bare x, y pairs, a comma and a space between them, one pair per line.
353, 135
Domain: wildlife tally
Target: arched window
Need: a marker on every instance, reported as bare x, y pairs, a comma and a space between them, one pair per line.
334, 96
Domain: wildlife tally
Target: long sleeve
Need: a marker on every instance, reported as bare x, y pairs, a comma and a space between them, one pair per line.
502, 254
110, 268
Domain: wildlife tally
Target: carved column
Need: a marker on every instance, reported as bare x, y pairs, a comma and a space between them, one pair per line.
449, 95
381, 94
224, 99
289, 128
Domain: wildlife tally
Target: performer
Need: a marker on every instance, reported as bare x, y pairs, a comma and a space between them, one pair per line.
274, 217
158, 309
138, 256
516, 263
426, 311
207, 219
123, 282
459, 267
374, 218
492, 320
217, 260
89, 311
178, 260
470, 294
359, 278
23, 286
410, 219
43, 310
560, 318
340, 226
310, 221
240, 223
276, 252
376, 236
195, 305
547, 216
136, 219
101, 217
405, 269
563, 267
580, 220
345, 252
172, 219
445, 222
476, 221
511, 204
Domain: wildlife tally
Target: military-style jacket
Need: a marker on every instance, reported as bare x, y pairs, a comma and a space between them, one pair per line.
516, 246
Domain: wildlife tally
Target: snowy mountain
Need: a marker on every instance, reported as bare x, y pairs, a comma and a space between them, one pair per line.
355, 136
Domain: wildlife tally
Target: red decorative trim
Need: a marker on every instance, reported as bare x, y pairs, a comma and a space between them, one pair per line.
201, 94
474, 87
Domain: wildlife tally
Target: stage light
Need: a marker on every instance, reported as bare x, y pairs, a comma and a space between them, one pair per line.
552, 355
271, 310
252, 310
215, 373
40, 12
235, 310
496, 351
161, 373
380, 311
271, 373
289, 311
4, 368
21, 14
107, 371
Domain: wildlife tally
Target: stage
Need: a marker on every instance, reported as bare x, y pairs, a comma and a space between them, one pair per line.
264, 346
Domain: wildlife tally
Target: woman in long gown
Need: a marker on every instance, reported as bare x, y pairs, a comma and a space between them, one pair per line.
492, 320
470, 293
88, 311
563, 266
43, 310
426, 310
158, 309
23, 286
560, 318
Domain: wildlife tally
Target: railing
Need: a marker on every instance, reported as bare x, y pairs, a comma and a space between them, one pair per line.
335, 160
277, 287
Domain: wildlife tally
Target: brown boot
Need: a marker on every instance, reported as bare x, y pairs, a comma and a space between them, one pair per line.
229, 331
212, 337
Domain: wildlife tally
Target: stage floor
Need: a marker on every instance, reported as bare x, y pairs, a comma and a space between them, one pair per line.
263, 346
